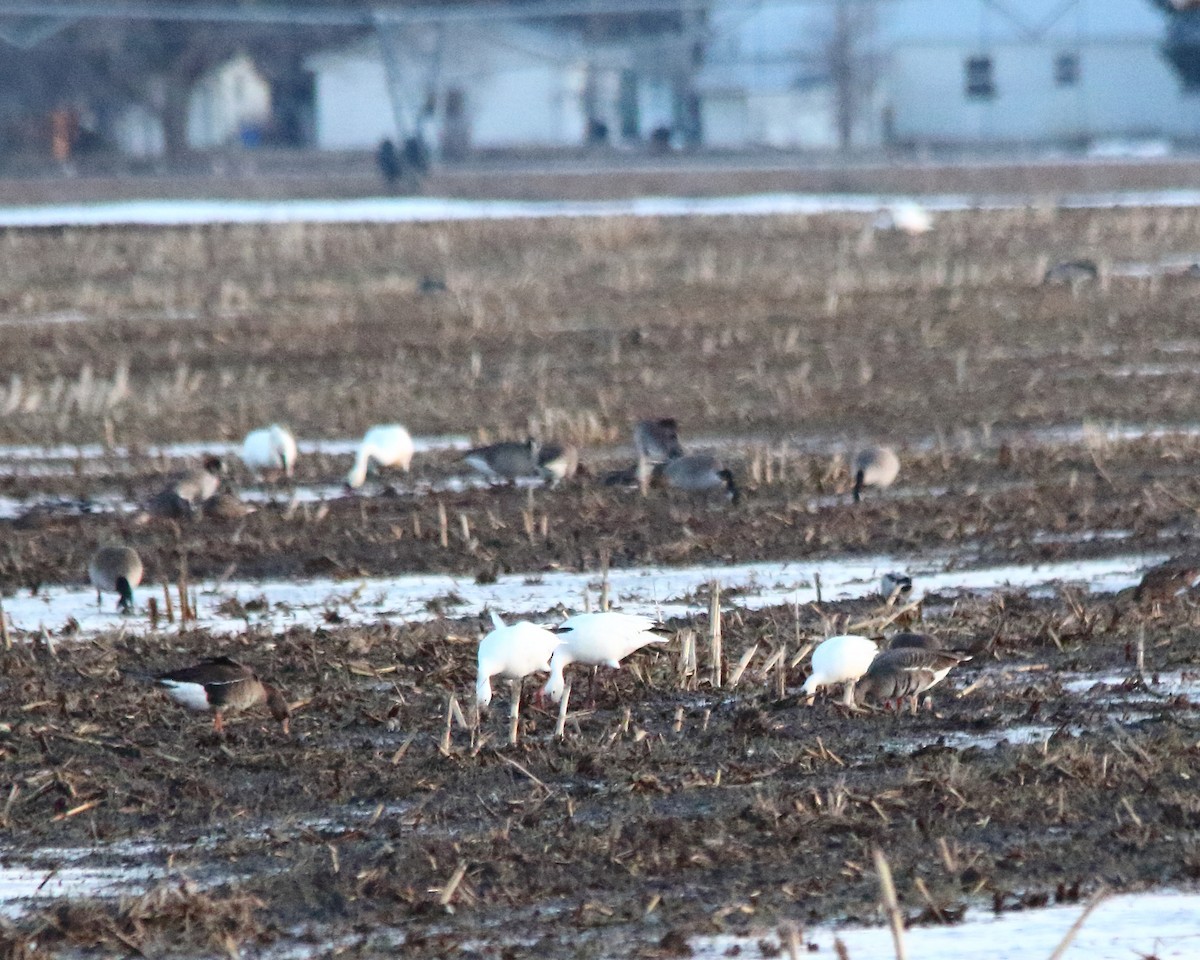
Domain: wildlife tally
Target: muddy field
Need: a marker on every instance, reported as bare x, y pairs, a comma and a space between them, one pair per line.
1036, 423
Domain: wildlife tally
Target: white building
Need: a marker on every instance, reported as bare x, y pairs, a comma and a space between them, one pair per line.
967, 71
483, 87
941, 72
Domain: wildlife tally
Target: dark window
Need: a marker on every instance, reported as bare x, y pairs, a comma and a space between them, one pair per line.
1066, 70
981, 85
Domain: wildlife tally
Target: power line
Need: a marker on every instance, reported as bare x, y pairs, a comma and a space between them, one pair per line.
308, 16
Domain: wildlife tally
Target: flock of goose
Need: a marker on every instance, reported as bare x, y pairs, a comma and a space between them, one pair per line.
515, 651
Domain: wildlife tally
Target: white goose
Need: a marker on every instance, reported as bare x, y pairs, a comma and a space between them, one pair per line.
270, 450
389, 445
513, 652
599, 639
841, 659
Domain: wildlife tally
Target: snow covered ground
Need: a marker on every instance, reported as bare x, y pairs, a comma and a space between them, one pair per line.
434, 209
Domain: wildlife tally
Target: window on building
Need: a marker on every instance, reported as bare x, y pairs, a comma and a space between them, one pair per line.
981, 83
1066, 70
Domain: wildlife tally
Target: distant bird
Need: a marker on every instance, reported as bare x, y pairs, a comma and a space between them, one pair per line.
169, 505
198, 484
841, 659
225, 506
696, 473
270, 451
225, 687
116, 570
625, 477
898, 585
387, 445
513, 652
657, 440
1071, 273
599, 639
1164, 583
906, 672
905, 217
506, 461
556, 462
875, 467
387, 159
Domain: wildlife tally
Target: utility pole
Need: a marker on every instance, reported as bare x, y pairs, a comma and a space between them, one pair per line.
842, 73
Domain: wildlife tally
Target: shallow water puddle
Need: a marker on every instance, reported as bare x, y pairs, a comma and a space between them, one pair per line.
344, 446
656, 591
24, 887
1162, 925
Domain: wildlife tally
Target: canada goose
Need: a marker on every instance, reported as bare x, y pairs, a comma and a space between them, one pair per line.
200, 483
697, 473
505, 461
599, 639
388, 445
906, 672
224, 687
657, 440
513, 652
895, 587
116, 570
556, 462
841, 659
875, 467
270, 451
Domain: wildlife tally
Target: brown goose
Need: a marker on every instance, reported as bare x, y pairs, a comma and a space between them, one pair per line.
225, 506
1163, 583
196, 486
906, 672
914, 641
116, 570
223, 686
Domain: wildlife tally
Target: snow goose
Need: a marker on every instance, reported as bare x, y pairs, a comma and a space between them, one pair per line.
906, 672
271, 450
599, 639
512, 651
841, 659
697, 473
387, 445
657, 440
506, 461
116, 570
875, 467
224, 687
905, 217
